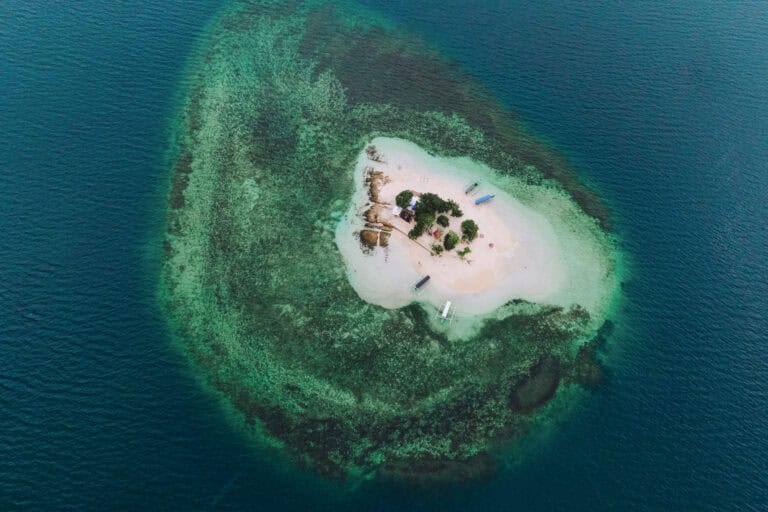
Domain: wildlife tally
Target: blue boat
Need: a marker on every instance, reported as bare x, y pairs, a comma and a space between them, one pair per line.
485, 199
421, 283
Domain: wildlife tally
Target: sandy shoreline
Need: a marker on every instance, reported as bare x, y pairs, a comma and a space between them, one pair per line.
516, 256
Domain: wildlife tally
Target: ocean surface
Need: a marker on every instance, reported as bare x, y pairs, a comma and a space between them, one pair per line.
661, 107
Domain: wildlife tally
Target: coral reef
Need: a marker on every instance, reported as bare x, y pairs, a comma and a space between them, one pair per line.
281, 99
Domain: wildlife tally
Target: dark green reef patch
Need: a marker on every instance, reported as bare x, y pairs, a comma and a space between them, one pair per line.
283, 98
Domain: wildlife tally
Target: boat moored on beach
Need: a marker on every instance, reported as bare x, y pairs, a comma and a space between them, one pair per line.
485, 199
421, 283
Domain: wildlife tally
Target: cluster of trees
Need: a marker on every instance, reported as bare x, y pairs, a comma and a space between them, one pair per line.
430, 210
434, 204
469, 232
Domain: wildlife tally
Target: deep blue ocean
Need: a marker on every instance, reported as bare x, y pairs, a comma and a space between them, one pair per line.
662, 107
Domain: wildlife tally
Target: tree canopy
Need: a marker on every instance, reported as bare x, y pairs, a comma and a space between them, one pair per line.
403, 199
469, 230
451, 239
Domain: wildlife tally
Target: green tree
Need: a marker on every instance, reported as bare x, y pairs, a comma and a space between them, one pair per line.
437, 248
425, 219
469, 230
403, 199
431, 203
443, 220
464, 252
416, 231
453, 206
451, 239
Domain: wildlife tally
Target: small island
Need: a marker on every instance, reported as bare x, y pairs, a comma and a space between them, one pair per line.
323, 165
414, 215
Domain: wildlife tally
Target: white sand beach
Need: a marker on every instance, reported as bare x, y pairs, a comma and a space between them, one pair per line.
518, 253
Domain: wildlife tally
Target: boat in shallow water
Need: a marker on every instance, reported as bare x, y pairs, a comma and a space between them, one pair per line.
444, 314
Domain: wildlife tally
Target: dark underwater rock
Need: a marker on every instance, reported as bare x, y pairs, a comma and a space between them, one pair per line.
587, 369
538, 388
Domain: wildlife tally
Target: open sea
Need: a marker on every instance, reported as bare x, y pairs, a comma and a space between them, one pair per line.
661, 106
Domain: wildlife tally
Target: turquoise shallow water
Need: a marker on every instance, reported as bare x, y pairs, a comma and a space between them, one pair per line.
662, 108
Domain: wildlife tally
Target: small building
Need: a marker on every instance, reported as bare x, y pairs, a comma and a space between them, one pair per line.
407, 214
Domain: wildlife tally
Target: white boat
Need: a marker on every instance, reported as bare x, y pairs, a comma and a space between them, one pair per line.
444, 314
